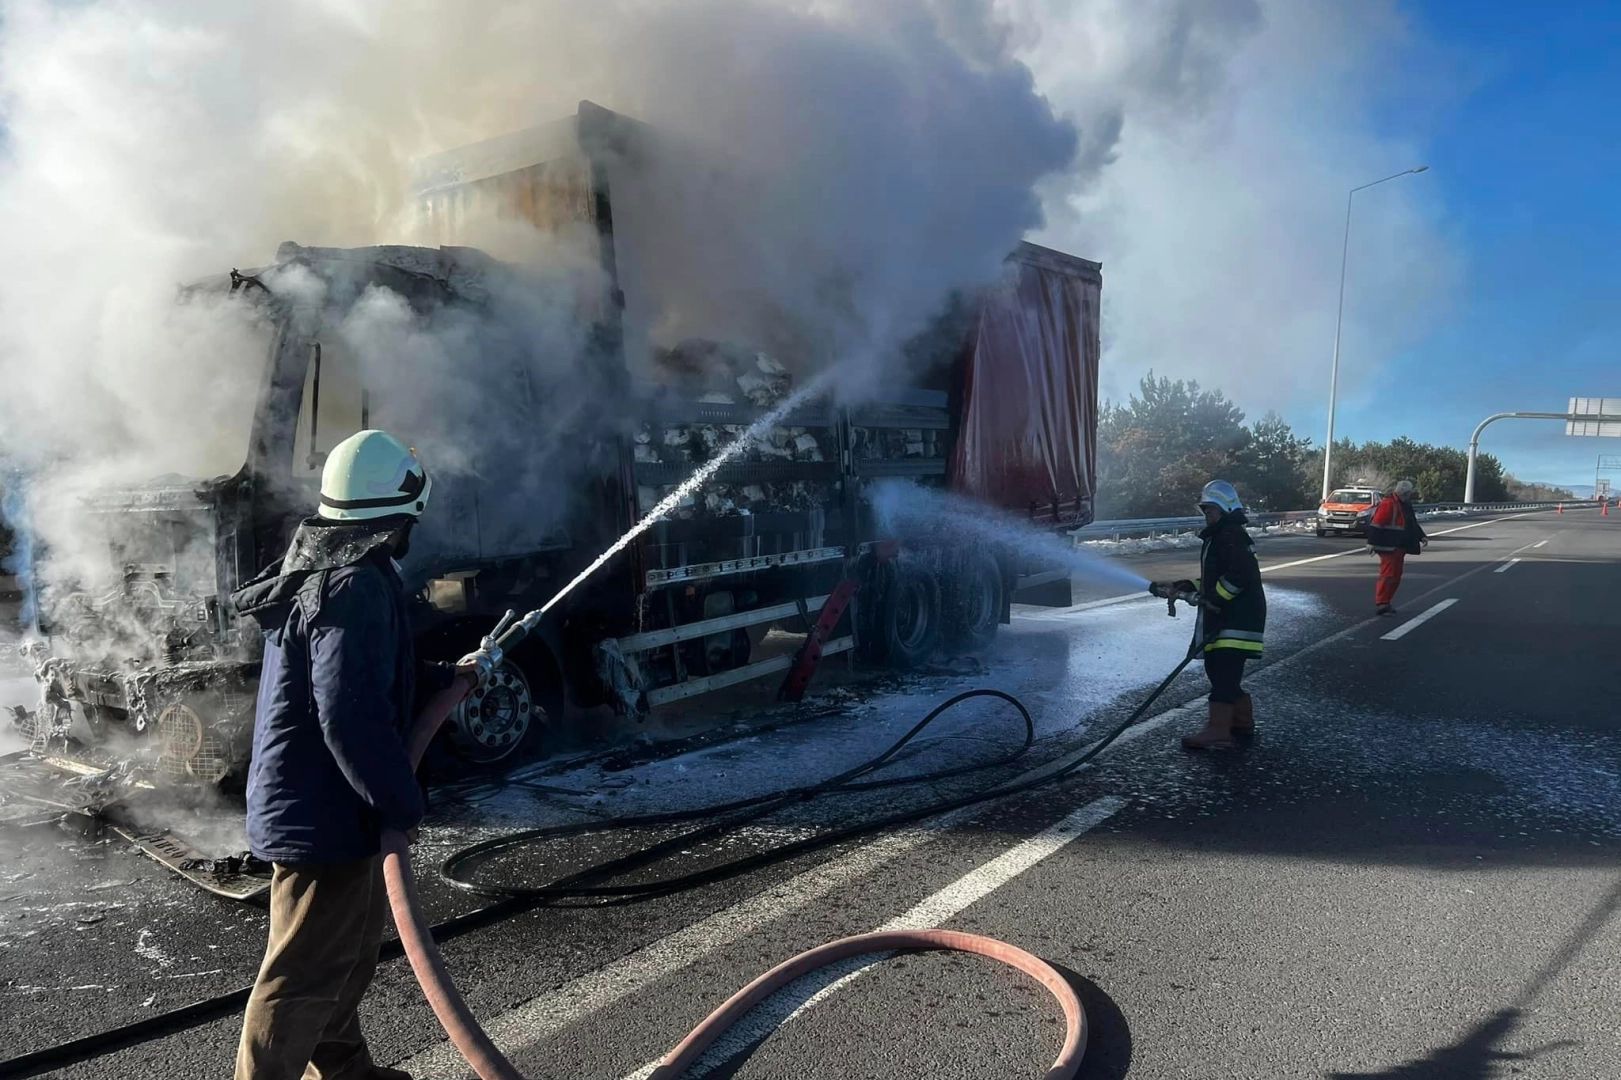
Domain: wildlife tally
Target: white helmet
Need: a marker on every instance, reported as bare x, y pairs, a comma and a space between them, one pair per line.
370, 475
1220, 494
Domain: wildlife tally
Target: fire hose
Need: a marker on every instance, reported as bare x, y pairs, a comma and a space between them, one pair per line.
490, 1064
418, 940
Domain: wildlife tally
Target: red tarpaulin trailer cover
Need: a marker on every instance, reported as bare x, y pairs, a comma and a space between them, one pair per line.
1028, 440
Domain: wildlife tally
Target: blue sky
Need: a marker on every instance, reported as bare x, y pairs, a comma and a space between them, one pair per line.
1218, 140
1524, 150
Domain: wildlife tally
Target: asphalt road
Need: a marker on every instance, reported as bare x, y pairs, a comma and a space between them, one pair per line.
1414, 871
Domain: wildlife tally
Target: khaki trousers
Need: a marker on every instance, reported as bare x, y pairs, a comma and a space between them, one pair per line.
302, 1019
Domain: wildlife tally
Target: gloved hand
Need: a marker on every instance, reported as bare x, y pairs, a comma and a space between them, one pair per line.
1425, 541
1183, 585
1162, 589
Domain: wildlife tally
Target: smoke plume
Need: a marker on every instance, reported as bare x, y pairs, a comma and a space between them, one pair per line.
837, 167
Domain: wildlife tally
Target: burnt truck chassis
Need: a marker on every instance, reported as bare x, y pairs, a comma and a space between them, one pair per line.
680, 614
683, 613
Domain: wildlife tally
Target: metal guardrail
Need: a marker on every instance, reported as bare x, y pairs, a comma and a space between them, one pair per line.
1149, 528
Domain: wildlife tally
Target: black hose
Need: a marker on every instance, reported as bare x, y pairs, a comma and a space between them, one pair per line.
574, 886
732, 815
517, 899
198, 1013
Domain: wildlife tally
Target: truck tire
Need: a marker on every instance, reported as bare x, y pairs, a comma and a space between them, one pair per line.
908, 618
971, 601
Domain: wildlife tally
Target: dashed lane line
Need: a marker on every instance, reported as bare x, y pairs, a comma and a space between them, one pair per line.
1359, 550
1112, 600
1506, 567
557, 1009
1413, 624
795, 999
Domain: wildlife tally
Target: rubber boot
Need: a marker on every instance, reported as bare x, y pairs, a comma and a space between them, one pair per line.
1244, 717
1218, 730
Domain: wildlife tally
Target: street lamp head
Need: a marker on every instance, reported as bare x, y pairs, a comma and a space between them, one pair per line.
1421, 168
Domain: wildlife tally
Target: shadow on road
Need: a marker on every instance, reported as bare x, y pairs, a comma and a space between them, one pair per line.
1108, 1036
1476, 1055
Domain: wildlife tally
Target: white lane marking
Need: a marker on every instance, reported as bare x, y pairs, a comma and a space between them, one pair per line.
556, 1009
795, 999
1506, 567
1413, 624
1540, 543
1362, 550
542, 1016
1058, 613
1314, 558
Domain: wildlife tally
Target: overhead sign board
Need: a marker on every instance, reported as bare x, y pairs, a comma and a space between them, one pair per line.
1601, 489
1609, 408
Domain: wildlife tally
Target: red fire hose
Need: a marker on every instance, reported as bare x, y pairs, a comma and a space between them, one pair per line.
490, 1064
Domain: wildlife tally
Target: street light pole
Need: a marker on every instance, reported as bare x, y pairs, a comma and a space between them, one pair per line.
1339, 319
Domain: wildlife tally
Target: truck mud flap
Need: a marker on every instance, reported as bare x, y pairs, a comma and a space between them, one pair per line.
232, 878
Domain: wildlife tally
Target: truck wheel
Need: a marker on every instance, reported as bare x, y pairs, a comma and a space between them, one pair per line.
972, 603
494, 720
909, 619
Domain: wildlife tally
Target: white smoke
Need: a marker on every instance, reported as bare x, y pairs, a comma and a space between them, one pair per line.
889, 155
848, 163
1229, 132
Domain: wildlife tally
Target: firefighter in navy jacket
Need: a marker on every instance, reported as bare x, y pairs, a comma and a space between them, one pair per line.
330, 769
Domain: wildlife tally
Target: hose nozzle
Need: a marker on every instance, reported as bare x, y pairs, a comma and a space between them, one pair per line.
1171, 592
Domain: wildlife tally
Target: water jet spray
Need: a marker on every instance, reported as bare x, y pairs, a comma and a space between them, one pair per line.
901, 504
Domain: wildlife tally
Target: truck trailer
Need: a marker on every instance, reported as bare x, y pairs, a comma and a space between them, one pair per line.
998, 402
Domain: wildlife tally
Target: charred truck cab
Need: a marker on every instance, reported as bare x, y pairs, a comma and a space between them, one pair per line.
540, 463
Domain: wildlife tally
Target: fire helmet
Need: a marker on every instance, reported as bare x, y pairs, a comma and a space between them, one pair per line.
1220, 494
370, 475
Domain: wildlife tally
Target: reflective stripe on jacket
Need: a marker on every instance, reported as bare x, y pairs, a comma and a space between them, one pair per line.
1227, 563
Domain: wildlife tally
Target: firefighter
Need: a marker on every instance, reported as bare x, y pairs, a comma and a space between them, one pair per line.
330, 770
1232, 616
1394, 534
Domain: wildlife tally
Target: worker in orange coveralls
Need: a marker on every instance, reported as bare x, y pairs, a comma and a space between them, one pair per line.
1394, 534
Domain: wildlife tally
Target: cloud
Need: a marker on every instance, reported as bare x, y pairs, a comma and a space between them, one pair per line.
1237, 128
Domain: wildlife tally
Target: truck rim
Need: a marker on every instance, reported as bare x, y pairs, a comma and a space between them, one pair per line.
980, 602
492, 721
912, 615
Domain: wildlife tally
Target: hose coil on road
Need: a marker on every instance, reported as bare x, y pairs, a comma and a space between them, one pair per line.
417, 939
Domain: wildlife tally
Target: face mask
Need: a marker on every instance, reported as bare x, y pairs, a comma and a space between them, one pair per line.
402, 540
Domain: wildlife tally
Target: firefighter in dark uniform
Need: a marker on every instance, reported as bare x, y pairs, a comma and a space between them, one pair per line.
330, 770
1231, 625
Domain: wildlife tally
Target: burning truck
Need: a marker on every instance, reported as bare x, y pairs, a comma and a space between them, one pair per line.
999, 402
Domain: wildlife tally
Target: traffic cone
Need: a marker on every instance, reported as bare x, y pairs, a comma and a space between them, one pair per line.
1604, 508
1561, 508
